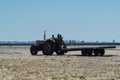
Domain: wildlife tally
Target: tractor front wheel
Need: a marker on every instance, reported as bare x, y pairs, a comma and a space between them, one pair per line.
33, 50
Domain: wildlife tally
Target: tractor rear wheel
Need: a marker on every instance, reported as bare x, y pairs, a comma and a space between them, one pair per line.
48, 48
33, 50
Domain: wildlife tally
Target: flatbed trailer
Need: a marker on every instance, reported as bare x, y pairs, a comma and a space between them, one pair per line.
49, 46
100, 50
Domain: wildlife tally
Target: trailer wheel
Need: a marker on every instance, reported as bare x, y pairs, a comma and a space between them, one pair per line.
102, 52
33, 50
96, 52
83, 52
48, 48
89, 52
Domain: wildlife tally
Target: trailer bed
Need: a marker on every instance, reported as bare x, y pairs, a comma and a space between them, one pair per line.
82, 48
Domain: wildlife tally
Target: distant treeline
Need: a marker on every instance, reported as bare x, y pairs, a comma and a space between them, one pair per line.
74, 42
67, 42
17, 43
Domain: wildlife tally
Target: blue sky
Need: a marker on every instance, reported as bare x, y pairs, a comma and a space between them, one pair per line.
89, 20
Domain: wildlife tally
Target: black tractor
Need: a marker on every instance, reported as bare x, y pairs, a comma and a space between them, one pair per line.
49, 46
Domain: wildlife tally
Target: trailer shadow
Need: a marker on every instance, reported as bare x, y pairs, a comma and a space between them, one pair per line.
91, 56
77, 55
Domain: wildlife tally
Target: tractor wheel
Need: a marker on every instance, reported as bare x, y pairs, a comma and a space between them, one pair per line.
33, 50
59, 52
48, 48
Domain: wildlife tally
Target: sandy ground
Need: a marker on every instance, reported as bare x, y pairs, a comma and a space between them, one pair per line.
16, 63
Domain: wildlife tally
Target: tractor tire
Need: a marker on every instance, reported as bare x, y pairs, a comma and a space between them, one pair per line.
33, 50
48, 48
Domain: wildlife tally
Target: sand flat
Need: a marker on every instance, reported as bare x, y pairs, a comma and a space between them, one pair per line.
16, 63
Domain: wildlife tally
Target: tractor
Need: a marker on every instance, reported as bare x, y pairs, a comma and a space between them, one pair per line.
49, 46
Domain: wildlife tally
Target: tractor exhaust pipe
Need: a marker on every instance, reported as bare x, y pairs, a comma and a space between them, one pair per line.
45, 35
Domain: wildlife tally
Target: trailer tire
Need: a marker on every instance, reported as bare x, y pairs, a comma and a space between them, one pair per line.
102, 52
89, 52
99, 52
83, 52
33, 50
48, 48
96, 52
